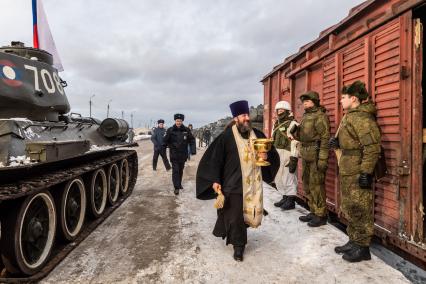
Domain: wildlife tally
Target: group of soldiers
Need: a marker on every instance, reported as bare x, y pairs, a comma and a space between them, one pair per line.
204, 136
357, 146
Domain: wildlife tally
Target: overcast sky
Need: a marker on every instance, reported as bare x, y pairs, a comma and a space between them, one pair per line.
153, 58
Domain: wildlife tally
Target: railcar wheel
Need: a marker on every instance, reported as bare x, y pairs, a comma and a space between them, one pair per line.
113, 184
28, 234
98, 192
124, 176
72, 209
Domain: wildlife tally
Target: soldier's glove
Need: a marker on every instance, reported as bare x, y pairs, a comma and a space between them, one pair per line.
292, 164
333, 143
365, 181
322, 165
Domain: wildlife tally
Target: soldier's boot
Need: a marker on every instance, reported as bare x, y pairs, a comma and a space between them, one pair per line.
357, 254
306, 218
281, 202
238, 253
289, 204
317, 221
346, 247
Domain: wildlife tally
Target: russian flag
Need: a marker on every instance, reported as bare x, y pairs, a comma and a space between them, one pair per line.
42, 37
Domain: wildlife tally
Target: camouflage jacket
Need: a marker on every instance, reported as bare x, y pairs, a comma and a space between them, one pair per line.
279, 134
314, 133
359, 139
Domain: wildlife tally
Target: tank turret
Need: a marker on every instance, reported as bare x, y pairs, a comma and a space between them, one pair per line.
31, 86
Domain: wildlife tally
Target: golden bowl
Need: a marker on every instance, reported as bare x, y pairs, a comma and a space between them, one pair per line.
262, 145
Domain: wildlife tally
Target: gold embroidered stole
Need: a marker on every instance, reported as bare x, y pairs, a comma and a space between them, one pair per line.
251, 178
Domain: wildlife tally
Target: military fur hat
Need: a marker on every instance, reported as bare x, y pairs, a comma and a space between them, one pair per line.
179, 116
160, 121
356, 89
311, 95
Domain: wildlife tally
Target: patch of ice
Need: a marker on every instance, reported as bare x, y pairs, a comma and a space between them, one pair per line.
29, 133
17, 119
95, 148
19, 161
141, 137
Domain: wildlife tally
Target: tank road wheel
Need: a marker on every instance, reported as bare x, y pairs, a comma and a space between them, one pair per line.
124, 176
72, 209
29, 231
113, 183
98, 192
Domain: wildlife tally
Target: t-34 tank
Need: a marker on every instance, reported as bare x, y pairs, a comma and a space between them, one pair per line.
60, 175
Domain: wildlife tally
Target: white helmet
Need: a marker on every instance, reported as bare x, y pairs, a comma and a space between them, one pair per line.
283, 105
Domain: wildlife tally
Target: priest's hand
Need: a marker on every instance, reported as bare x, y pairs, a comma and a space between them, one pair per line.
220, 199
217, 188
263, 156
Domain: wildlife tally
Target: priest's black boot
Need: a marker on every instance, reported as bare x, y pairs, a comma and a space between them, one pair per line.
238, 253
317, 221
357, 254
281, 202
346, 247
306, 218
289, 204
176, 192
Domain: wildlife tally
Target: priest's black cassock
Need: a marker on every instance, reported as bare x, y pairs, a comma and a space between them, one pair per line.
221, 164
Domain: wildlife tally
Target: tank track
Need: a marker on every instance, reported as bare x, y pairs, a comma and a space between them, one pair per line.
37, 184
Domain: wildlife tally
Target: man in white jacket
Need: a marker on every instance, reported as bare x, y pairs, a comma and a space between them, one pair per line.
286, 179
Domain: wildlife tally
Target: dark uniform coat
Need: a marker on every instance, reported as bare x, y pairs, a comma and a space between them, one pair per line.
178, 139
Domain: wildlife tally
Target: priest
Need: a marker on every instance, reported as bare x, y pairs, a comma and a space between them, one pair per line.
228, 170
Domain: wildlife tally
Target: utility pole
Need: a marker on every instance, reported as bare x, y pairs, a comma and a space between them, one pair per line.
108, 108
122, 114
131, 120
90, 106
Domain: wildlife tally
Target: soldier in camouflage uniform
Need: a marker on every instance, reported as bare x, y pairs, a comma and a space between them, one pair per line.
359, 140
314, 134
285, 180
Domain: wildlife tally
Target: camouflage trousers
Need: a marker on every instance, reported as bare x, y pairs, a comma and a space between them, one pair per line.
314, 187
357, 207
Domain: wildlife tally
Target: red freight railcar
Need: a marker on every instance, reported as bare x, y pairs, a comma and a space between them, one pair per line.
380, 43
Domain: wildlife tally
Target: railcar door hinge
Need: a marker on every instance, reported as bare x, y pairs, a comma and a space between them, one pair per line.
405, 73
403, 169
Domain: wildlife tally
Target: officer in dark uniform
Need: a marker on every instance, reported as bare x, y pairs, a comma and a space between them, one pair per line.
159, 149
177, 138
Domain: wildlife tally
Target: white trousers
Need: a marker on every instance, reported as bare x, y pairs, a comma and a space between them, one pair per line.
286, 182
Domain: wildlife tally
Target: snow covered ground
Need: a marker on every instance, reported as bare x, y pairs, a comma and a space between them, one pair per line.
156, 237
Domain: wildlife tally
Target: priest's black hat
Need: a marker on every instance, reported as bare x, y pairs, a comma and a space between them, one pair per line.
160, 121
179, 116
239, 107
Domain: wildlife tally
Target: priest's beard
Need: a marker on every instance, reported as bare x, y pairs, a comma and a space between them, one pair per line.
244, 127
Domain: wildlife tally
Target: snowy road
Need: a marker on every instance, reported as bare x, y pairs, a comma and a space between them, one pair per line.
155, 237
